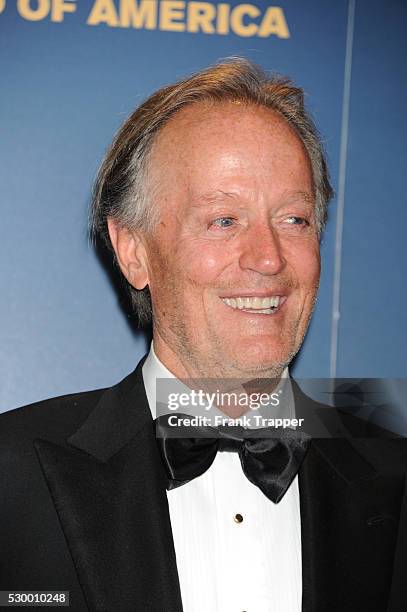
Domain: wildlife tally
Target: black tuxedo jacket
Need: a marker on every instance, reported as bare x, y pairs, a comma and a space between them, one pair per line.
83, 508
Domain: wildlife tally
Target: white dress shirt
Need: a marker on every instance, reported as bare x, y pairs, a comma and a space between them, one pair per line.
226, 564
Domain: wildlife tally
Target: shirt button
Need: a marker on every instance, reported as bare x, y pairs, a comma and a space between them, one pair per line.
238, 518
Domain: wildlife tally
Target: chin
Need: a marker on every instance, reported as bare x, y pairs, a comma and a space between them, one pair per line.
259, 357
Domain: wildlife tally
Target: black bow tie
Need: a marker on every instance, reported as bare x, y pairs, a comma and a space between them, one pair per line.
269, 463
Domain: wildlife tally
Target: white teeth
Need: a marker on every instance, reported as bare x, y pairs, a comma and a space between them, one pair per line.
254, 303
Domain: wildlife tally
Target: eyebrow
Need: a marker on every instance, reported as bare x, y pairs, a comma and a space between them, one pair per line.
303, 195
218, 195
212, 197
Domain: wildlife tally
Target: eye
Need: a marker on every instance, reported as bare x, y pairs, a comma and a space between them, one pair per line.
223, 222
297, 221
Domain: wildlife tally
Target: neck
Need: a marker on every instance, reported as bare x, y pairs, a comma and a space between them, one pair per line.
218, 380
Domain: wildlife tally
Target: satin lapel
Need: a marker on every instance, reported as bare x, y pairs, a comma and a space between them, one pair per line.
108, 487
349, 520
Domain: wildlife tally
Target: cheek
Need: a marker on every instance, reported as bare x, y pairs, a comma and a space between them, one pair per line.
305, 262
207, 266
180, 277
202, 265
310, 273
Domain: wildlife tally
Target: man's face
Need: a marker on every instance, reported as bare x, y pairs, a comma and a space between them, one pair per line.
233, 264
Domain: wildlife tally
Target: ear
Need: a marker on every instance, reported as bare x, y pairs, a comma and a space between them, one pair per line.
130, 252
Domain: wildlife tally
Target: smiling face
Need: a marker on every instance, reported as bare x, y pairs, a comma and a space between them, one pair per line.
233, 264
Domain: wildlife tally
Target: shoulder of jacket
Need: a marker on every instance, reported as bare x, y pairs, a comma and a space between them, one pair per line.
55, 418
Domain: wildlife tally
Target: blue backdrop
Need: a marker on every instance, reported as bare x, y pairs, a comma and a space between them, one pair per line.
71, 71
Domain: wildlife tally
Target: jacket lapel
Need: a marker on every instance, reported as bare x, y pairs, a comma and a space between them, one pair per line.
109, 490
349, 522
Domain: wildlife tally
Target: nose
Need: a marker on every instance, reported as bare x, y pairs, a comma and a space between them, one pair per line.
262, 251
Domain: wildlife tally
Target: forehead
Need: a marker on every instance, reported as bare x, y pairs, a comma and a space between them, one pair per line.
226, 141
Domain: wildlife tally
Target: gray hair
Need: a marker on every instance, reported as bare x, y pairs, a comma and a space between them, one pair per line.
121, 187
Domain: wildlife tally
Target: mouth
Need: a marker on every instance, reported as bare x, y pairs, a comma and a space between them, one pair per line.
256, 305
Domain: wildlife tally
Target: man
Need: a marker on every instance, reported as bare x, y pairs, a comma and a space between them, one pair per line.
213, 197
